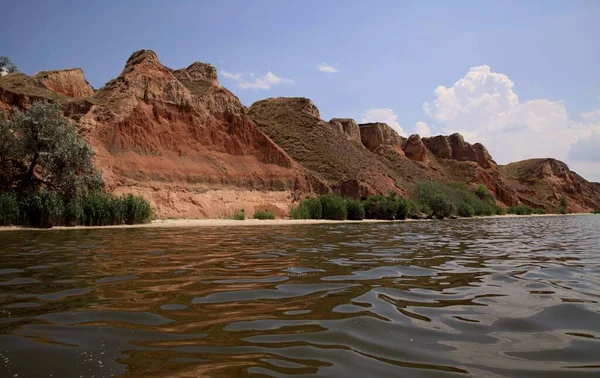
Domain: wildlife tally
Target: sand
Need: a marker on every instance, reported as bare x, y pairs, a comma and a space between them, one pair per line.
181, 223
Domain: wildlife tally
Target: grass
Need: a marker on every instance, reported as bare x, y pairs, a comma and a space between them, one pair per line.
46, 209
525, 210
446, 199
239, 215
355, 210
263, 214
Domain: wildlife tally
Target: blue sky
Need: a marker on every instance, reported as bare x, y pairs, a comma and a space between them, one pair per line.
390, 56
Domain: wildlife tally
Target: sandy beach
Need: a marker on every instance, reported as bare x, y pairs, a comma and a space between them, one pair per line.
180, 223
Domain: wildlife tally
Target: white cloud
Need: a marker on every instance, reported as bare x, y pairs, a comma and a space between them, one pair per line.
383, 115
484, 107
422, 129
327, 68
251, 81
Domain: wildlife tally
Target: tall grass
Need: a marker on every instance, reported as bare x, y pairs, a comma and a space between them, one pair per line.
354, 209
260, 214
239, 214
525, 210
445, 199
46, 209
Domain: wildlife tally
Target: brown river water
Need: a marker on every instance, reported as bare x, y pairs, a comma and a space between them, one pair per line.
513, 297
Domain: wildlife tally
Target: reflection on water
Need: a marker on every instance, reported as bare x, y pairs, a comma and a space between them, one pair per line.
496, 297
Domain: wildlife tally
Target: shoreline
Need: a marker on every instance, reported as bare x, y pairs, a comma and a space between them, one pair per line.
185, 223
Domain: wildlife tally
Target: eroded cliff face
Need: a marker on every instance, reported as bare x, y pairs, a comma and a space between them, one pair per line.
542, 183
454, 147
70, 82
186, 143
323, 148
348, 126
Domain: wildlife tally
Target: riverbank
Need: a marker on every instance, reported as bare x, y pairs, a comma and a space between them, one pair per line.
181, 223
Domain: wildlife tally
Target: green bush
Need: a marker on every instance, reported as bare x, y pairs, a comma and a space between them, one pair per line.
465, 210
445, 199
9, 209
333, 207
74, 214
562, 210
525, 210
355, 209
597, 211
300, 212
239, 215
381, 207
403, 208
43, 209
136, 210
260, 214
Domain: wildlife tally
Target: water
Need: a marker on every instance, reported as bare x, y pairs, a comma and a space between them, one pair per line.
485, 298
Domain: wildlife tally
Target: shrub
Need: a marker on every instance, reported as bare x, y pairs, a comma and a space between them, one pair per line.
520, 210
42, 209
300, 212
138, 210
74, 214
354, 209
445, 199
484, 194
562, 210
260, 214
9, 209
239, 215
403, 207
465, 210
597, 211
96, 209
314, 208
381, 207
440, 206
333, 207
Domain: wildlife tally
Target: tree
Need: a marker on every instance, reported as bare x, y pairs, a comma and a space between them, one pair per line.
7, 64
41, 149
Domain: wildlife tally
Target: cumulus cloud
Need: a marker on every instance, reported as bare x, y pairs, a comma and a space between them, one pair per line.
484, 107
251, 81
384, 115
327, 68
422, 129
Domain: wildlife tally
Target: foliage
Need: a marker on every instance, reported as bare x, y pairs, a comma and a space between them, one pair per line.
403, 208
597, 211
39, 150
445, 199
300, 211
46, 209
239, 215
465, 210
525, 210
333, 207
9, 209
260, 214
354, 209
136, 209
562, 208
8, 65
381, 207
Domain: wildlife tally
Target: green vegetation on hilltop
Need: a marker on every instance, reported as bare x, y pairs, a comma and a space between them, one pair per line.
47, 177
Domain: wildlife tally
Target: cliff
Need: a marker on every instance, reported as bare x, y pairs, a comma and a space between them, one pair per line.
179, 138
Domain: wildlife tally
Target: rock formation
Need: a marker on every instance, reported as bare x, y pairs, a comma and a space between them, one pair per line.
322, 148
70, 82
187, 144
347, 126
375, 135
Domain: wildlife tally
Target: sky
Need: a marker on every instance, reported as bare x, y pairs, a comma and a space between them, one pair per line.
520, 77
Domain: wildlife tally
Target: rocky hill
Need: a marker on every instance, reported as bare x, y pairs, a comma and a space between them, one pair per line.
179, 138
